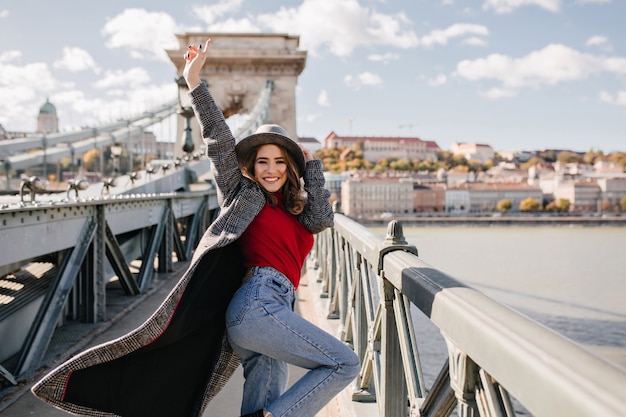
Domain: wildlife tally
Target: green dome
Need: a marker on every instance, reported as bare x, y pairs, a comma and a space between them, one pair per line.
48, 108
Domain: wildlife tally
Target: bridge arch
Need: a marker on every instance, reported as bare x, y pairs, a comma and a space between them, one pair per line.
237, 70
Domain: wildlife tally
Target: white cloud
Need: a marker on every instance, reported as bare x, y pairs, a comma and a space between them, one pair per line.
550, 65
340, 26
211, 13
36, 76
440, 79
386, 58
322, 99
601, 42
9, 56
508, 6
593, 1
365, 78
4, 13
310, 118
244, 25
498, 93
75, 60
441, 37
144, 34
618, 99
596, 40
475, 41
132, 78
22, 88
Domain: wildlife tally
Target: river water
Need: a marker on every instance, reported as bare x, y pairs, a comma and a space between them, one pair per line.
571, 279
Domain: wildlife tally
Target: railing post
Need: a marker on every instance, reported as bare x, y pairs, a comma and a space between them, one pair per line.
394, 392
393, 383
463, 379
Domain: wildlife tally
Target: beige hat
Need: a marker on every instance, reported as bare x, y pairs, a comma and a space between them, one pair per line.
271, 134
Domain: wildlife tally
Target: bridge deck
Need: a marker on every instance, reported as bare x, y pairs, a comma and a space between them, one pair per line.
126, 313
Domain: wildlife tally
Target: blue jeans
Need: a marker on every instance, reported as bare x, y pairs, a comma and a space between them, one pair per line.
267, 334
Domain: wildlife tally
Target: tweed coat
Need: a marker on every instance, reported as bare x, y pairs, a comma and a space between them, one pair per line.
179, 359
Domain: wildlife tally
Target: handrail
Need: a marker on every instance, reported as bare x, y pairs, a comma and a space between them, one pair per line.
85, 244
499, 362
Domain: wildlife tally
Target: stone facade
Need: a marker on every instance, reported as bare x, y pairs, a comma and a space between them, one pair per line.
376, 147
237, 69
372, 197
484, 197
473, 151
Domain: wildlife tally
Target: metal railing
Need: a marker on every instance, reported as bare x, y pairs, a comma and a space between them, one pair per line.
499, 362
82, 247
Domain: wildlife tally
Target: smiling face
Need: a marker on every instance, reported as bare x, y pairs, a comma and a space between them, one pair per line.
270, 168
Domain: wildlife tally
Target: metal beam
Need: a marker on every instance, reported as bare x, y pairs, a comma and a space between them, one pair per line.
45, 322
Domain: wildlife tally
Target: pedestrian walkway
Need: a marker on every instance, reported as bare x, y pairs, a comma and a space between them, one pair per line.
22, 403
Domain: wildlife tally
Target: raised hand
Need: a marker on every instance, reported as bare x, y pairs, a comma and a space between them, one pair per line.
194, 60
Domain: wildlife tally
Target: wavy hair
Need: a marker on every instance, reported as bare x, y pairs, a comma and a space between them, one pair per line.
292, 190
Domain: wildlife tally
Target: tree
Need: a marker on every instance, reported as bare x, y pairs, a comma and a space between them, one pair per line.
529, 204
568, 157
91, 160
504, 205
562, 204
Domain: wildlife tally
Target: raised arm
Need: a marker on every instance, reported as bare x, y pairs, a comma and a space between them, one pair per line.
216, 134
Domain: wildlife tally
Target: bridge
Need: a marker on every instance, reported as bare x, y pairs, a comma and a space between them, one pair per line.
71, 263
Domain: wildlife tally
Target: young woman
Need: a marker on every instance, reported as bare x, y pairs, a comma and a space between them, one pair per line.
262, 327
239, 287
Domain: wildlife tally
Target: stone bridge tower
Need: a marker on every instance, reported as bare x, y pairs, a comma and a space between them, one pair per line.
237, 69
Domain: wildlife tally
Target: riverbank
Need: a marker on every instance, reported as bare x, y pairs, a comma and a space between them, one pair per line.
514, 220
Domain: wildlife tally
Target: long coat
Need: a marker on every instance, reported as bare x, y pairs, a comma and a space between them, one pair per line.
179, 359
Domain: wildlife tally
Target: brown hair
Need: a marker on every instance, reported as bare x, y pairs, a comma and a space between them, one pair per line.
292, 189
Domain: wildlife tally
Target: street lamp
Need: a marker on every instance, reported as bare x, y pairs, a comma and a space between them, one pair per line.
7, 171
187, 112
116, 151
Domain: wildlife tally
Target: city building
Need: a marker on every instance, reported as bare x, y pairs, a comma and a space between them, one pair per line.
376, 147
310, 143
473, 151
584, 196
484, 197
47, 120
363, 196
613, 191
429, 198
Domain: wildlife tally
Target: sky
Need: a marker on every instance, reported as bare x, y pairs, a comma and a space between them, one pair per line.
512, 74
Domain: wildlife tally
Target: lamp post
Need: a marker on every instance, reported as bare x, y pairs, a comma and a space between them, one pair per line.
116, 151
187, 112
7, 171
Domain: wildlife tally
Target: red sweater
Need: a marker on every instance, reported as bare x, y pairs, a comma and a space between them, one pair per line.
276, 238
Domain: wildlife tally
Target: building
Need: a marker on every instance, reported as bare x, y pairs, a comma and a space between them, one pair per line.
429, 198
473, 151
47, 120
376, 148
376, 196
484, 197
332, 182
584, 196
312, 144
613, 191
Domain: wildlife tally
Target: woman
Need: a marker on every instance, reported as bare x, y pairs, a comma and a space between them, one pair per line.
178, 360
262, 327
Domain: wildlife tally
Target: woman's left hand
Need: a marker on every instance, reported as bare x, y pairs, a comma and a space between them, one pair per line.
194, 60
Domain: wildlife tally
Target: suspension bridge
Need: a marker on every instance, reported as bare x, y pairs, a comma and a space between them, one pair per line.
74, 265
